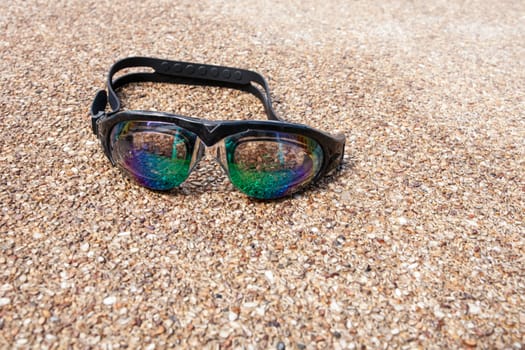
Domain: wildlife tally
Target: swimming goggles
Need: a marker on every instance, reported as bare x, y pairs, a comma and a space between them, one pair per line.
264, 159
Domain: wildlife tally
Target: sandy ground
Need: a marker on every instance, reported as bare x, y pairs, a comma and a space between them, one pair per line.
418, 242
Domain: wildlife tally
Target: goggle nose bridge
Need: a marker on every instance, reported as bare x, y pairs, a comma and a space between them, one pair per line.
217, 150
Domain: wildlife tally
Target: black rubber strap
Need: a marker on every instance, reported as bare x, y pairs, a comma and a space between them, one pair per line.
183, 73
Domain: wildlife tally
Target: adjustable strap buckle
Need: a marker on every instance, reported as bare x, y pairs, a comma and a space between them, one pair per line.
98, 109
94, 121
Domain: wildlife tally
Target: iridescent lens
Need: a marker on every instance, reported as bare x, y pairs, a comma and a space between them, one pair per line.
155, 154
269, 165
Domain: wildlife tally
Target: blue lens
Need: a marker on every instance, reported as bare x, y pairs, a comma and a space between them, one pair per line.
157, 155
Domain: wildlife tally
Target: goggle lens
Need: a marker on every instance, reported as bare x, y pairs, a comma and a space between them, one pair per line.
157, 155
267, 164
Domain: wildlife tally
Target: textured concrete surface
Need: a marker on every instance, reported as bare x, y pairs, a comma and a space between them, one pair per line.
418, 242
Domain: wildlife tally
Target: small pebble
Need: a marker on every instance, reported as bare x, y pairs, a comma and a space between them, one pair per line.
471, 342
269, 276
339, 241
402, 221
37, 235
4, 301
473, 309
232, 316
21, 341
334, 306
6, 287
225, 332
46, 313
110, 300
158, 331
439, 314
50, 337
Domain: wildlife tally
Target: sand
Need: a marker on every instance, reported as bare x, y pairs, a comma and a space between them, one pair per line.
417, 242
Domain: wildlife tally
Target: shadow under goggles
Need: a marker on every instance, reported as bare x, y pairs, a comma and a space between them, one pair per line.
263, 159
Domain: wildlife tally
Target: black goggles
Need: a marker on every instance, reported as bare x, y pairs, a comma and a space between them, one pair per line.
264, 159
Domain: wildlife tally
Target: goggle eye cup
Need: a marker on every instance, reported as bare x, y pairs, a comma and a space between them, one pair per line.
159, 156
269, 164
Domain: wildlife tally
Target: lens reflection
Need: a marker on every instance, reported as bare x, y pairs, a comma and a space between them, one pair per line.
269, 165
155, 154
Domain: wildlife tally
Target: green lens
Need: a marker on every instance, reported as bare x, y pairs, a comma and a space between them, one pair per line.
155, 154
267, 164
